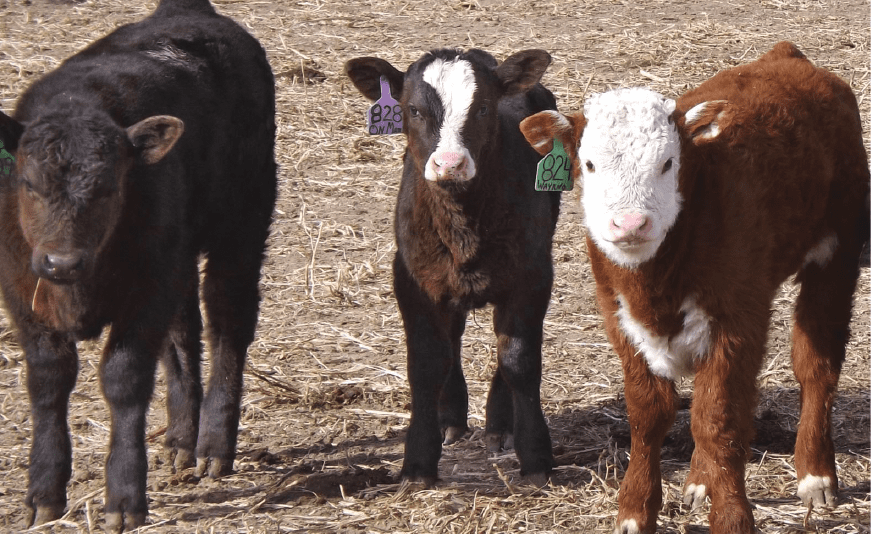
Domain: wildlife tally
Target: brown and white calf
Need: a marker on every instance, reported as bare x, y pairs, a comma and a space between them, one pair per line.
696, 211
470, 230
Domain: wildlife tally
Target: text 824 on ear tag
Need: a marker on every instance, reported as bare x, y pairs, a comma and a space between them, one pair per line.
385, 115
554, 171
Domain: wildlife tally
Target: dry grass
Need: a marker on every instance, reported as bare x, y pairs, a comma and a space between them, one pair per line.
326, 394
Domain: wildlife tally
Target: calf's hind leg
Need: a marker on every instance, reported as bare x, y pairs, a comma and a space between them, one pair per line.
500, 415
820, 333
181, 362
232, 298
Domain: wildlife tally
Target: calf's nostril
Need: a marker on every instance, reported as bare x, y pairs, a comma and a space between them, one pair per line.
449, 160
62, 265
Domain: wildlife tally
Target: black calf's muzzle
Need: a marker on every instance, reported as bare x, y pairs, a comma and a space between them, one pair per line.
59, 267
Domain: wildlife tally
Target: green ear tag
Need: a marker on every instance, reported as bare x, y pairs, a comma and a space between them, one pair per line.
6, 161
554, 170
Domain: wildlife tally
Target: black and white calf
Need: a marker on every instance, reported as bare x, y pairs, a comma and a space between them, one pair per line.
470, 230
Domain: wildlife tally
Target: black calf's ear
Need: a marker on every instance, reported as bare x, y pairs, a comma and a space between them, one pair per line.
484, 57
522, 70
155, 136
10, 132
365, 73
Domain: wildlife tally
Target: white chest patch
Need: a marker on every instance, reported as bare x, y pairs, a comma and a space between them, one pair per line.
673, 357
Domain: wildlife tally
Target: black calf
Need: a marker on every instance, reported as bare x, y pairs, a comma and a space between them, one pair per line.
148, 148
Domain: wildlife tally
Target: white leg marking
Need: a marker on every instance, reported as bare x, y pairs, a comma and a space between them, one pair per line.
822, 252
694, 494
815, 490
454, 82
628, 526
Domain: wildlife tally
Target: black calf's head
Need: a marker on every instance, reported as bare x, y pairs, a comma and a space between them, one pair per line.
449, 103
70, 176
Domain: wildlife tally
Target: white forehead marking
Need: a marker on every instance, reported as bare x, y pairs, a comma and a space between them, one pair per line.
629, 137
673, 357
454, 82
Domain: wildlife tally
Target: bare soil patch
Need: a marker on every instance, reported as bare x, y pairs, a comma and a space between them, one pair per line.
326, 399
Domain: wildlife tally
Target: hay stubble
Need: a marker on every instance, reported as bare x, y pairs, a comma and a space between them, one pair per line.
326, 397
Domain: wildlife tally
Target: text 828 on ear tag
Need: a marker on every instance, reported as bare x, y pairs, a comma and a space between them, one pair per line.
554, 171
385, 115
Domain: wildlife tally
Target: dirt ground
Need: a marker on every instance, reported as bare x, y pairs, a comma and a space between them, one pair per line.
326, 397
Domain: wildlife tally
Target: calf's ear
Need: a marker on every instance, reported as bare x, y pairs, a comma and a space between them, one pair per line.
155, 136
542, 128
522, 70
10, 132
706, 121
365, 73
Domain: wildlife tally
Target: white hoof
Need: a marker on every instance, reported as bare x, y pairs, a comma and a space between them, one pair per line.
817, 491
694, 495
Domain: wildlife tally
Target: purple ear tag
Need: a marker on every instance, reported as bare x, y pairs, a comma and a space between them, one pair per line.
385, 115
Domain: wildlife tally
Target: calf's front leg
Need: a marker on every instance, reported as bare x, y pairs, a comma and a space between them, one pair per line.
428, 331
651, 402
724, 397
127, 377
52, 366
454, 397
518, 324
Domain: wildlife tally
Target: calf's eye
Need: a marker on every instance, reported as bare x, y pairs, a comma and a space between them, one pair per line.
590, 167
667, 166
413, 111
28, 187
483, 110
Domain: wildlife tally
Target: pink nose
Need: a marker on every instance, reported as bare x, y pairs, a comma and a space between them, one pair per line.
629, 226
447, 163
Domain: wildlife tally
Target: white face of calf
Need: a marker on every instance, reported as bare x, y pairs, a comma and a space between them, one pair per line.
454, 83
629, 157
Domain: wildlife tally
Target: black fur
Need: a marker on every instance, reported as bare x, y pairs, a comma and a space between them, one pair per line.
116, 240
465, 244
